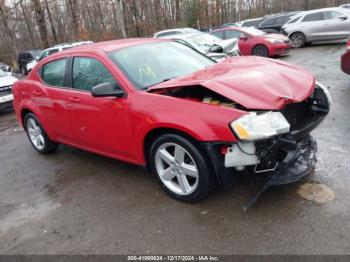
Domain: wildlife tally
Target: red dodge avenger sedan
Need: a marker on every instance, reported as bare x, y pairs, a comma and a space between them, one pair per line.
194, 122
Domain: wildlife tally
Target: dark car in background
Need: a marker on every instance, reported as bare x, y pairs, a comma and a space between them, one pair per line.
345, 60
274, 23
25, 57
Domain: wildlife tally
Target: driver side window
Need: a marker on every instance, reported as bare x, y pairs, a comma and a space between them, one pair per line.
89, 72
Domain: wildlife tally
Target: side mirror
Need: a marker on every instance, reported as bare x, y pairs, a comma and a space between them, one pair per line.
343, 17
243, 38
106, 90
216, 49
37, 58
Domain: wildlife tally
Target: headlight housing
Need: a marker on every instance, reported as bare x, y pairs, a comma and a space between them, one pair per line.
275, 41
257, 126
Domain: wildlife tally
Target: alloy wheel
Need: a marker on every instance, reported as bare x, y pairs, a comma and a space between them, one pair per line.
176, 169
298, 40
35, 134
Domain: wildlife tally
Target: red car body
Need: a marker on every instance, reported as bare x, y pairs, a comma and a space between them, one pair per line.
345, 60
276, 44
124, 127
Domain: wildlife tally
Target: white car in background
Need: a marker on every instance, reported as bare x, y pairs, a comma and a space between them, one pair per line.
6, 83
175, 31
208, 44
54, 49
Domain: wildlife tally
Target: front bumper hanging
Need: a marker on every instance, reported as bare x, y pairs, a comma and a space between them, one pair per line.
299, 162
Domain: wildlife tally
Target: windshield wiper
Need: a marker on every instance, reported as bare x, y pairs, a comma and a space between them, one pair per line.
164, 80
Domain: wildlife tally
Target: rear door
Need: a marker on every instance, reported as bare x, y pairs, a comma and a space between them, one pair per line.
313, 24
98, 123
50, 97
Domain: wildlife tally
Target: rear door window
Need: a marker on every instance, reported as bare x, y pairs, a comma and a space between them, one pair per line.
219, 34
313, 17
89, 72
53, 73
331, 15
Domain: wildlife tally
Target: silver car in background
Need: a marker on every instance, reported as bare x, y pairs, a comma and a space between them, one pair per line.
319, 25
208, 44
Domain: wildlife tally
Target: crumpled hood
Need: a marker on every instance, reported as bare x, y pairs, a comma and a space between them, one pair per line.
7, 80
253, 82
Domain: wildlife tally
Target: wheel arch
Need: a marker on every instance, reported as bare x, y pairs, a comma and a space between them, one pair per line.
261, 44
299, 31
156, 132
26, 110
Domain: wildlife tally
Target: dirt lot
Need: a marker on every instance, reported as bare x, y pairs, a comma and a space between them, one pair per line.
74, 202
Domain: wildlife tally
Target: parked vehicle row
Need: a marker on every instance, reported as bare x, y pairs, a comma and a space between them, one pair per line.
28, 59
194, 122
327, 24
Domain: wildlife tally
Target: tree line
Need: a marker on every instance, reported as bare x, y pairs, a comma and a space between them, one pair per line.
32, 24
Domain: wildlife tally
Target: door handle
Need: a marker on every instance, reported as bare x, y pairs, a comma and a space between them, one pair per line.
74, 99
38, 93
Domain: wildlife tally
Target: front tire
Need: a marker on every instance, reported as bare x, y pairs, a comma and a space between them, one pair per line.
37, 135
260, 50
298, 40
182, 168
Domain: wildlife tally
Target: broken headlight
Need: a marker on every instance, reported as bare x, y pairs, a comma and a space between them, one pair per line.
254, 126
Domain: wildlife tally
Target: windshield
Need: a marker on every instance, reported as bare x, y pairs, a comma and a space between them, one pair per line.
149, 64
2, 73
254, 31
204, 41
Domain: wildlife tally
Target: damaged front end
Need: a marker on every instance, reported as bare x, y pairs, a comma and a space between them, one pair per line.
277, 145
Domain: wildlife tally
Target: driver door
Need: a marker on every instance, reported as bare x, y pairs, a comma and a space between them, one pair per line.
97, 123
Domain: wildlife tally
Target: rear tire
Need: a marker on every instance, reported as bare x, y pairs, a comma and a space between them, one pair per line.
298, 40
182, 168
37, 135
260, 50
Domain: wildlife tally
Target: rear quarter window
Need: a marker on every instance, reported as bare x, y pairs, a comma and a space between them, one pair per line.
53, 73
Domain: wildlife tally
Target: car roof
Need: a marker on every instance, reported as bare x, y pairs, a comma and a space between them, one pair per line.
108, 46
183, 36
320, 10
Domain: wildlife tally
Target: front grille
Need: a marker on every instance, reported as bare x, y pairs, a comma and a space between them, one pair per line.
5, 88
5, 93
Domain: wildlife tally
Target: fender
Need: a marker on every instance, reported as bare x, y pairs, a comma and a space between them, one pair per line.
206, 122
27, 104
